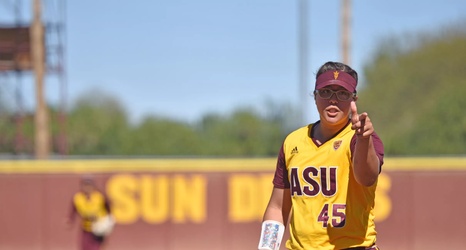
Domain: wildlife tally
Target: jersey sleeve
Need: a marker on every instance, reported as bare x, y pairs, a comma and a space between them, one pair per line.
280, 179
378, 145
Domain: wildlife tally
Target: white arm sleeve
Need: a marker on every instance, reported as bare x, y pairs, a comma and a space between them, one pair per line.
271, 235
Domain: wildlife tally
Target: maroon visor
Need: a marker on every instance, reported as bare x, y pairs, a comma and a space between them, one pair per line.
336, 78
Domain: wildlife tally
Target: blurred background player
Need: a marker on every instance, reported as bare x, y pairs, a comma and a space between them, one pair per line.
326, 173
93, 209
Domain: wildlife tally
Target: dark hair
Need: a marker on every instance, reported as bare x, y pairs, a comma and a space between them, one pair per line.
87, 179
337, 66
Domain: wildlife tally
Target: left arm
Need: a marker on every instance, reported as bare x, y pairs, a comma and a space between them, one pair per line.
366, 162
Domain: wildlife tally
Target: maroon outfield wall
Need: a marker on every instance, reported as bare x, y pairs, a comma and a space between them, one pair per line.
215, 204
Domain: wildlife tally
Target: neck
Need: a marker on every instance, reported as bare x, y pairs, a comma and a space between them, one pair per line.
323, 132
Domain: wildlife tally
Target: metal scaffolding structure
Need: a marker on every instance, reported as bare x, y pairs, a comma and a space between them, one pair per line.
32, 41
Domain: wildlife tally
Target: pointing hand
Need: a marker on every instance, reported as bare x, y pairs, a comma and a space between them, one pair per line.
361, 123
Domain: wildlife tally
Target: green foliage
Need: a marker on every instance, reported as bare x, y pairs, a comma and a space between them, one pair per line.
97, 124
163, 136
244, 133
415, 94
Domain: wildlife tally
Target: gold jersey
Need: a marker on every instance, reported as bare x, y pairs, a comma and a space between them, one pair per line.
330, 210
89, 208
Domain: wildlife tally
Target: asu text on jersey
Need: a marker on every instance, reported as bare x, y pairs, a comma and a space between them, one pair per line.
330, 209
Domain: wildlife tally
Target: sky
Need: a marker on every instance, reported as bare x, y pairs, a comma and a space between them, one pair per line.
184, 59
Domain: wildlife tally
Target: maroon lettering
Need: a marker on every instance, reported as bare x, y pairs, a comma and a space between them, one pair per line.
329, 187
323, 216
294, 182
311, 176
307, 173
338, 215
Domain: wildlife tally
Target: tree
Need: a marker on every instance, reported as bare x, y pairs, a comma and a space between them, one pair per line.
97, 124
164, 136
414, 92
243, 133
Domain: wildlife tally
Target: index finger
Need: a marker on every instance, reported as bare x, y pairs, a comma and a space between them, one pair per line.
354, 112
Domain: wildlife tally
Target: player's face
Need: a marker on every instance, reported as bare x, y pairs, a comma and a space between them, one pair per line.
87, 187
333, 110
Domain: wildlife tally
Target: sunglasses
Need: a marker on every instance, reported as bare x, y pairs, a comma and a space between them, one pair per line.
341, 95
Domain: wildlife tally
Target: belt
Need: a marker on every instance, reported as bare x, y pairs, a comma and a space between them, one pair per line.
373, 247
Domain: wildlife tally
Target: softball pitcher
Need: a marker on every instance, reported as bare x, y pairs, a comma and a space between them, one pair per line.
326, 173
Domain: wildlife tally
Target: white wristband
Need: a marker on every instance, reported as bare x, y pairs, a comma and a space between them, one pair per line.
271, 235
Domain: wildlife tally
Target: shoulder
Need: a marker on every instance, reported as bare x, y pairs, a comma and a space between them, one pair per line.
302, 132
77, 195
97, 193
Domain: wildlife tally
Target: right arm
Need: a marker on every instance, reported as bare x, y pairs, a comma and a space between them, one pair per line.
275, 218
71, 214
279, 206
278, 209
